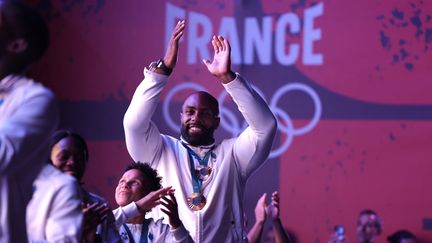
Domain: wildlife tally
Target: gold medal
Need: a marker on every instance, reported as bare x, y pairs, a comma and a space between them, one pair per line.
203, 172
196, 201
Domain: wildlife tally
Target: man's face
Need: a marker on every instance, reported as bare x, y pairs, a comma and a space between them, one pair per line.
130, 187
368, 228
199, 120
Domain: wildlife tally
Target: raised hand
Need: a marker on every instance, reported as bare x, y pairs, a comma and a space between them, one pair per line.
152, 199
169, 203
260, 209
170, 58
94, 214
273, 208
255, 233
281, 236
220, 67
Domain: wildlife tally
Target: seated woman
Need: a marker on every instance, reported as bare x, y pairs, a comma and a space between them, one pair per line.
69, 153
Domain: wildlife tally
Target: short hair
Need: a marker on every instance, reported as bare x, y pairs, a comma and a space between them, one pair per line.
371, 212
148, 173
26, 22
367, 212
64, 133
399, 235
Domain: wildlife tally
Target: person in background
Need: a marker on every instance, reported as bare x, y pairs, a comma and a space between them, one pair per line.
54, 213
209, 177
139, 190
338, 235
69, 153
264, 211
402, 236
28, 114
369, 226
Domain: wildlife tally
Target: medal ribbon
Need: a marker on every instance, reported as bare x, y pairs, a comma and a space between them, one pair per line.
144, 232
197, 182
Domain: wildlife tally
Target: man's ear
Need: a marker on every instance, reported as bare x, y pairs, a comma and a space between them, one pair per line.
17, 46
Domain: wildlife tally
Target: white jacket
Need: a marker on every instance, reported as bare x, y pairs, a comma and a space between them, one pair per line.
221, 220
158, 232
54, 213
28, 116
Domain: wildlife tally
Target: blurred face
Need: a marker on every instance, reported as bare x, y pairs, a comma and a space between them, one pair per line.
69, 156
8, 32
5, 33
130, 187
199, 120
3, 27
407, 241
368, 228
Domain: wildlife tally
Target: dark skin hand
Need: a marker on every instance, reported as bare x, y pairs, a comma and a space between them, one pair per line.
152, 199
170, 58
274, 213
169, 203
94, 214
220, 66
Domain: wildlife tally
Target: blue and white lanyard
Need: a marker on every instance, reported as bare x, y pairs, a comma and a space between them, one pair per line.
197, 182
144, 232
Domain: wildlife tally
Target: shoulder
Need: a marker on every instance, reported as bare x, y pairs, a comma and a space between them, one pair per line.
96, 198
51, 176
226, 144
31, 87
169, 139
49, 172
38, 98
171, 142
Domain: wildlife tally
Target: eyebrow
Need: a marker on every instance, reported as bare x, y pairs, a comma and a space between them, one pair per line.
132, 179
201, 108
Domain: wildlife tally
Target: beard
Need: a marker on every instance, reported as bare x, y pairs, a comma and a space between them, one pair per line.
205, 137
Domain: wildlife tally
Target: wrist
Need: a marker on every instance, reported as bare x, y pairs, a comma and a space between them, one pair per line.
227, 77
141, 208
276, 220
260, 222
175, 225
160, 67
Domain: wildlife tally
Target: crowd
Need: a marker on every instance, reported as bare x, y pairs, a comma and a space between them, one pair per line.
187, 189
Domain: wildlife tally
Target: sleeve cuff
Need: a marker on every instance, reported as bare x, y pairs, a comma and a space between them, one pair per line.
234, 82
155, 76
131, 210
180, 233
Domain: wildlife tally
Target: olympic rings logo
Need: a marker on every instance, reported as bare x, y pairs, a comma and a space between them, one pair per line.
231, 124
